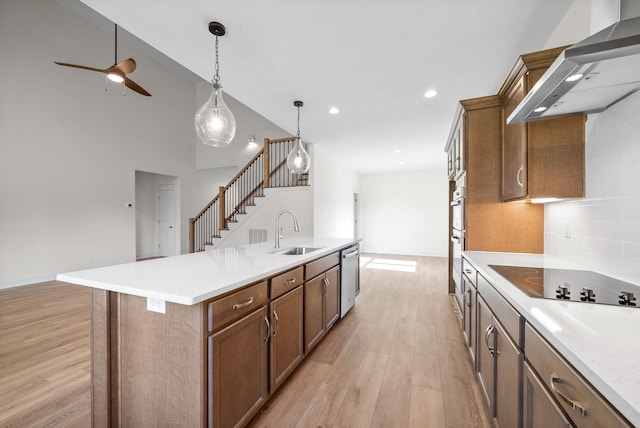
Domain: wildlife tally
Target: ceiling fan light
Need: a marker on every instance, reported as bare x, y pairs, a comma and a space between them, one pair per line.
115, 77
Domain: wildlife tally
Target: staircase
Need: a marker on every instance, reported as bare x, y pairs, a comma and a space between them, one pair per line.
267, 169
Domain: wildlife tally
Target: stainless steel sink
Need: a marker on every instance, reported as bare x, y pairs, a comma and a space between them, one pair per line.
295, 251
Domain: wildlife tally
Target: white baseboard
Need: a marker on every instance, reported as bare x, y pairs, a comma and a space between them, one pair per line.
26, 281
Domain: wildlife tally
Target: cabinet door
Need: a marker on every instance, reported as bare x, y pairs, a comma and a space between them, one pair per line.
332, 297
514, 147
507, 379
539, 409
470, 319
460, 152
451, 159
237, 370
486, 348
314, 326
287, 347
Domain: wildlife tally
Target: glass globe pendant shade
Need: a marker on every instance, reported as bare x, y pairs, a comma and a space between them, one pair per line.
298, 160
215, 124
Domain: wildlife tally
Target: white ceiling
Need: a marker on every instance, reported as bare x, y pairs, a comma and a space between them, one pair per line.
373, 59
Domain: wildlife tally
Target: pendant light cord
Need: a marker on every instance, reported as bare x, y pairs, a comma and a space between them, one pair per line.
298, 123
216, 78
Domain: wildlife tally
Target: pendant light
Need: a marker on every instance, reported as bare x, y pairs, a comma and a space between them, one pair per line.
298, 160
215, 124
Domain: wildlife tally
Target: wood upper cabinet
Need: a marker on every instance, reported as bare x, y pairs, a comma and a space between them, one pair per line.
456, 150
287, 347
238, 370
543, 159
514, 147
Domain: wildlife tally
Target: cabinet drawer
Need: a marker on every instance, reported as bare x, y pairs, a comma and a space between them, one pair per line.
469, 271
286, 281
316, 267
231, 308
508, 316
566, 384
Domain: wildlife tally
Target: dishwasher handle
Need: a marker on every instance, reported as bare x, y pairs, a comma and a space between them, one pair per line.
351, 254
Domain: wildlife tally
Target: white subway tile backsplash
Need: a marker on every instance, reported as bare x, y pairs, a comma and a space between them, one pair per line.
605, 226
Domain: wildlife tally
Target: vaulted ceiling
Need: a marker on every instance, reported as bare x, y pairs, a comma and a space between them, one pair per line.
372, 59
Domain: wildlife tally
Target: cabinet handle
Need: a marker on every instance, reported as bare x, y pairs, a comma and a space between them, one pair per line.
520, 170
575, 405
276, 324
468, 300
289, 282
490, 329
325, 281
458, 163
468, 271
266, 337
243, 305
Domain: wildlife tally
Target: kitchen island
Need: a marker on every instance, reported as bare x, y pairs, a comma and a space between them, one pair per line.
599, 341
169, 335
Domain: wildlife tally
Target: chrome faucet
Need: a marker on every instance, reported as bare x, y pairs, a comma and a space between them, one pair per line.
296, 227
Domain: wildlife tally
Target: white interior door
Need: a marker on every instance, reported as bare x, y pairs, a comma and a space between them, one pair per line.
166, 220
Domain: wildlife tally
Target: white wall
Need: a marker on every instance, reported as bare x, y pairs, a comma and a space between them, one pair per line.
333, 187
69, 150
405, 213
604, 228
297, 199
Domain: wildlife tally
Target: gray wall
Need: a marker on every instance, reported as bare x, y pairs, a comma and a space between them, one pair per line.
69, 149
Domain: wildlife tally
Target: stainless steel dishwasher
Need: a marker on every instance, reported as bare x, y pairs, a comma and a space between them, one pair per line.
349, 277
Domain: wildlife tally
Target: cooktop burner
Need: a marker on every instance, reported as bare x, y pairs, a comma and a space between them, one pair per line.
572, 285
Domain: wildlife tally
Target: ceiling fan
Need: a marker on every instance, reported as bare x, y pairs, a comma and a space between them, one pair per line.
117, 72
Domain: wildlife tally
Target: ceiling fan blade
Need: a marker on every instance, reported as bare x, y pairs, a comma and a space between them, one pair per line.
82, 67
135, 87
127, 66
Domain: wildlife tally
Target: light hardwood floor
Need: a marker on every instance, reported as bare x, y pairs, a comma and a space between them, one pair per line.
396, 360
45, 368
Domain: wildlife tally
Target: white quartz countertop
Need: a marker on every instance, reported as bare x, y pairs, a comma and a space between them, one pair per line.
193, 278
600, 341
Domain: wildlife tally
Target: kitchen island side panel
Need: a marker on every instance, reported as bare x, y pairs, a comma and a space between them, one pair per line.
154, 375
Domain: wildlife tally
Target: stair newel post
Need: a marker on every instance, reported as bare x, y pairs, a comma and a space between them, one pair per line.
221, 207
265, 158
192, 235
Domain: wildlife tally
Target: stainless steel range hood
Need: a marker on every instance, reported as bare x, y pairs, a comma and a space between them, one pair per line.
606, 69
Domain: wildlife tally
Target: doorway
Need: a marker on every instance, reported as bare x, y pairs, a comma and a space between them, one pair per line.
157, 213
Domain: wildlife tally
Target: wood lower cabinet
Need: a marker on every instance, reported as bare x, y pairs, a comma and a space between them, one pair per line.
321, 305
287, 334
565, 388
539, 409
238, 370
470, 316
499, 364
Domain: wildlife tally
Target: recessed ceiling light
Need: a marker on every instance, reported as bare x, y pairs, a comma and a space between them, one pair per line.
334, 110
401, 163
431, 93
539, 109
573, 77
396, 151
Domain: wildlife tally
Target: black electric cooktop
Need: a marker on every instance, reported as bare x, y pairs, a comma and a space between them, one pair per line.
570, 285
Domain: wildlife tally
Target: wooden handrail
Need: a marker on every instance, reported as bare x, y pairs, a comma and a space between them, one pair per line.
244, 186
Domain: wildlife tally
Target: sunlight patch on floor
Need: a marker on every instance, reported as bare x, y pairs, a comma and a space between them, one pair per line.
388, 264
